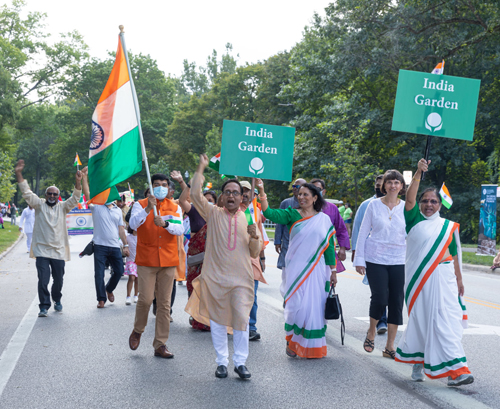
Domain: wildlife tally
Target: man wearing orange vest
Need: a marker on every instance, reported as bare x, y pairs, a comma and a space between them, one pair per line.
157, 258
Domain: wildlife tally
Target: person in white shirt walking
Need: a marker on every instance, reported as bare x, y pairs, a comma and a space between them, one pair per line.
108, 230
380, 254
50, 244
26, 224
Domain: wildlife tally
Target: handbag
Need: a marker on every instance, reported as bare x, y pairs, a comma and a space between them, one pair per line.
333, 310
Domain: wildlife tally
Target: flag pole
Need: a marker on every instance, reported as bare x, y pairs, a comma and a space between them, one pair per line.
137, 113
427, 152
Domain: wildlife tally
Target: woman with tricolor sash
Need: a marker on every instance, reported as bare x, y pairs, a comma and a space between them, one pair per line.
309, 269
432, 341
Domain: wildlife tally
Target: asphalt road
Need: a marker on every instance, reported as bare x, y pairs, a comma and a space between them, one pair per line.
80, 358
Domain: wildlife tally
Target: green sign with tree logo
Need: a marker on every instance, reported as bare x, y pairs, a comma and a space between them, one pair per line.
437, 105
257, 150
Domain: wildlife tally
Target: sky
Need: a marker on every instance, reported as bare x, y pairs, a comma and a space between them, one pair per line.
171, 31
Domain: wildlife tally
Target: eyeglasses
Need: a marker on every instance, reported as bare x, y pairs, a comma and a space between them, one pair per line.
51, 194
235, 193
433, 201
296, 186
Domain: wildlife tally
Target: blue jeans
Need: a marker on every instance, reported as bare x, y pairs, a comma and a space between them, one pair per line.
383, 319
253, 312
114, 256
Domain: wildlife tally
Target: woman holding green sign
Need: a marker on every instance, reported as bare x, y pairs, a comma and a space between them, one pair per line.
309, 269
432, 341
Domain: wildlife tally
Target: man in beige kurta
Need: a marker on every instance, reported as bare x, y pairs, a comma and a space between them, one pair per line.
50, 244
224, 291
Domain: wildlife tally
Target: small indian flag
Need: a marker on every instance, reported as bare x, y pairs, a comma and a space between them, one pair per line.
215, 162
115, 148
445, 196
77, 160
439, 69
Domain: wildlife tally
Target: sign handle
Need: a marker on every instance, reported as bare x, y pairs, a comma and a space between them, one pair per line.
427, 152
253, 190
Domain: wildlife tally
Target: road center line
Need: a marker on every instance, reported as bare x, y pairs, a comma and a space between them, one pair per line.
15, 347
435, 388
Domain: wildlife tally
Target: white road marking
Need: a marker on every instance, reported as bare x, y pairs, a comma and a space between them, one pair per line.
15, 347
435, 388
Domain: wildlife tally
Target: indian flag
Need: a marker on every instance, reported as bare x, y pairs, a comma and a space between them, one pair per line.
77, 160
445, 196
215, 162
439, 69
215, 165
115, 148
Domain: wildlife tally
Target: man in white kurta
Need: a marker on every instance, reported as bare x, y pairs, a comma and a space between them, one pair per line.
224, 291
50, 245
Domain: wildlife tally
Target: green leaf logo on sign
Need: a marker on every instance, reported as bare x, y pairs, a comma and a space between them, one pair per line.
438, 105
257, 150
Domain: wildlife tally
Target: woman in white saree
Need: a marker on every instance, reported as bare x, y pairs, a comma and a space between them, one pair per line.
309, 269
432, 341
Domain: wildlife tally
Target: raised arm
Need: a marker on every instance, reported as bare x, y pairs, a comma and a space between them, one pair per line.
85, 182
72, 202
200, 201
281, 216
411, 193
183, 202
32, 199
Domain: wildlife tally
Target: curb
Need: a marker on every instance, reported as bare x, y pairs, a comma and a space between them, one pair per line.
12, 246
482, 269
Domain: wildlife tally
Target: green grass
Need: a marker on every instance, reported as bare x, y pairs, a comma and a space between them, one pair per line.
471, 258
270, 233
8, 236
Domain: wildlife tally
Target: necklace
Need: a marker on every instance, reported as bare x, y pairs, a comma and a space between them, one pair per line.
391, 213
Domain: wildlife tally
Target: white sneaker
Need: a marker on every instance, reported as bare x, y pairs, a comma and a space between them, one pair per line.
464, 379
136, 298
128, 301
418, 373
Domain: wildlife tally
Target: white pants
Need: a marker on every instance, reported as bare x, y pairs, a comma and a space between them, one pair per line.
240, 344
28, 240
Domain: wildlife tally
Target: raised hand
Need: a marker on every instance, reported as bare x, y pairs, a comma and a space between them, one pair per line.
85, 171
176, 175
19, 166
259, 183
423, 165
79, 176
203, 161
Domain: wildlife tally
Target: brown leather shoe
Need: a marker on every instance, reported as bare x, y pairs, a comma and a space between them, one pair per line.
134, 340
111, 297
163, 352
100, 304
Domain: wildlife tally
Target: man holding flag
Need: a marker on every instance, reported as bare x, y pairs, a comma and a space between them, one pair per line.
157, 258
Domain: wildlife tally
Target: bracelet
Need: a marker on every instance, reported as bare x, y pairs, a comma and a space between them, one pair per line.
262, 258
125, 245
261, 198
416, 180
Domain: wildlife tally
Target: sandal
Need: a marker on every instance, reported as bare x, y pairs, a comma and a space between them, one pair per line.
389, 354
289, 352
368, 344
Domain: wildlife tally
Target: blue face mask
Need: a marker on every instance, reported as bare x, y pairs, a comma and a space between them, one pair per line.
160, 192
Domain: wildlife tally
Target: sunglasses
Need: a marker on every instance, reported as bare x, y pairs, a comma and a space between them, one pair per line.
296, 186
235, 193
433, 201
52, 194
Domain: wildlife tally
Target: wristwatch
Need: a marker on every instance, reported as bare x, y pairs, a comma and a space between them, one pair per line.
262, 258
166, 224
125, 245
